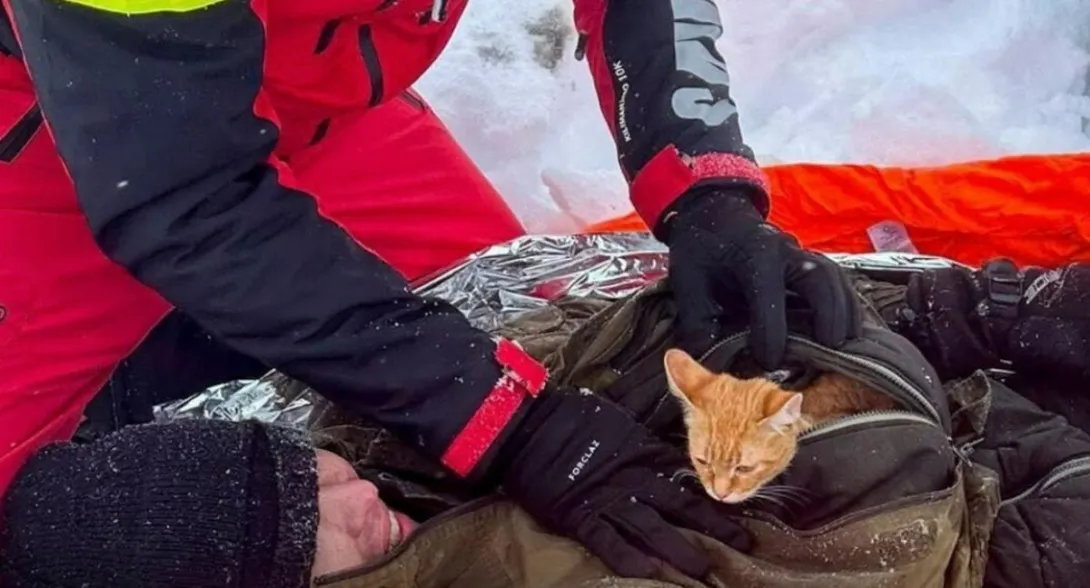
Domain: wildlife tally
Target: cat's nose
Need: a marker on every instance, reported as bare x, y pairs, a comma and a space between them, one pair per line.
721, 490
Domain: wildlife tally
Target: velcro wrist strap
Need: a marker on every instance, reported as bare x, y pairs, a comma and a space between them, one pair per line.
523, 377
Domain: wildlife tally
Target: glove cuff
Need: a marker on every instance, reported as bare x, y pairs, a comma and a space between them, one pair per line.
532, 417
191, 504
471, 452
732, 201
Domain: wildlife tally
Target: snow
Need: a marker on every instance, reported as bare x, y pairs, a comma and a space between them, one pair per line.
888, 82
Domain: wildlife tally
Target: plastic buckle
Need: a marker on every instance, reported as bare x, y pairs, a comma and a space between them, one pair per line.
1003, 285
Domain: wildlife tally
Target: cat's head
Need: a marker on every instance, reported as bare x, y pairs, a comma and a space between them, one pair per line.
742, 433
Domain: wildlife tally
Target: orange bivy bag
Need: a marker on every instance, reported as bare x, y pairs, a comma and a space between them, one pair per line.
1033, 209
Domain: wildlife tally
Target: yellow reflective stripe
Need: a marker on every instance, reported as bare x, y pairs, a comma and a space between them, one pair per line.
131, 7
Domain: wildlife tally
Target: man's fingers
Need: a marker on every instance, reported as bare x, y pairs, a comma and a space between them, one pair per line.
766, 296
855, 316
694, 510
697, 309
608, 545
646, 529
827, 292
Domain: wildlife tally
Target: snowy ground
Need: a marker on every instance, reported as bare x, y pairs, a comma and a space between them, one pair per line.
897, 82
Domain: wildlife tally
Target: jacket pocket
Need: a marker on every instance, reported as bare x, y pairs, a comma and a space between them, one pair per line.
1039, 539
861, 462
879, 501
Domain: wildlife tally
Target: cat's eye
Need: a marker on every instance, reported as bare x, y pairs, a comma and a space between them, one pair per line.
700, 461
743, 469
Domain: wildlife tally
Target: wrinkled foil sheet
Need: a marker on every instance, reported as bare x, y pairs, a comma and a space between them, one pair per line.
499, 283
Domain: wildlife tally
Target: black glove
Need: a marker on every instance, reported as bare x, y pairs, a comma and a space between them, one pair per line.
723, 253
953, 316
582, 467
1050, 329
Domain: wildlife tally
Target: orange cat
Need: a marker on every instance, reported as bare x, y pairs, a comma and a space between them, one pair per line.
744, 433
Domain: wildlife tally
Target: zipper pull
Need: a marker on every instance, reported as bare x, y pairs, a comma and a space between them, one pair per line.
581, 47
965, 450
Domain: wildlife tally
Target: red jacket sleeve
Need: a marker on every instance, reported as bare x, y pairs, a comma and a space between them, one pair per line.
665, 92
162, 120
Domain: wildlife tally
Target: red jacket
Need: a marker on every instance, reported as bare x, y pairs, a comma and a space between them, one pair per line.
177, 121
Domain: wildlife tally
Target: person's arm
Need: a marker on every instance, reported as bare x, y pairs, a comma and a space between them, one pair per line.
665, 93
159, 112
163, 125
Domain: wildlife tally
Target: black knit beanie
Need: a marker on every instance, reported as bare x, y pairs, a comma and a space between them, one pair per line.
197, 503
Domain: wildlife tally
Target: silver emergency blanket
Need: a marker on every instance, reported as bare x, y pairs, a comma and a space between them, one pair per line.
497, 284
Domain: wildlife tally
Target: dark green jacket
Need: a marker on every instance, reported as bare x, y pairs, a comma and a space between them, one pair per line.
894, 501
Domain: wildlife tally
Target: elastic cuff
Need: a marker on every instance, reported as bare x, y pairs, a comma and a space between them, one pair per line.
531, 418
670, 174
295, 465
187, 504
738, 201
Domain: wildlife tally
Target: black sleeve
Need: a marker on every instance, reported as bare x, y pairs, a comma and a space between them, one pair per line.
162, 123
185, 504
665, 93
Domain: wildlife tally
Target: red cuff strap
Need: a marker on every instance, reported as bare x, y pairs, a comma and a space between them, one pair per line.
523, 376
670, 174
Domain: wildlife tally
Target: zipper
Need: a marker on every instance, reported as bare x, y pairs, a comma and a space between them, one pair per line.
918, 399
1078, 466
371, 61
325, 37
864, 418
320, 132
20, 134
852, 517
404, 545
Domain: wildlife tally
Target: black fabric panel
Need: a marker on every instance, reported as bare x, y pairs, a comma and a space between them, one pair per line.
864, 467
1066, 397
153, 116
639, 39
1040, 540
176, 360
1023, 442
8, 44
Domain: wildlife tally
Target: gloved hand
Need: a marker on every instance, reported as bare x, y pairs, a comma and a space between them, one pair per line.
723, 253
1051, 334
582, 467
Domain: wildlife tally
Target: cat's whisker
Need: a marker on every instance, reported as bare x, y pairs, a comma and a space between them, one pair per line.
794, 490
767, 498
799, 496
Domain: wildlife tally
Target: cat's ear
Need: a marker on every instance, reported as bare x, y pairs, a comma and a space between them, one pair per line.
685, 376
785, 411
